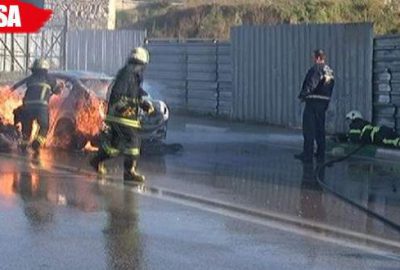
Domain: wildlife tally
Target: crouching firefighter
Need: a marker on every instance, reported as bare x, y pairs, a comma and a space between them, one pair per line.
362, 131
40, 87
121, 134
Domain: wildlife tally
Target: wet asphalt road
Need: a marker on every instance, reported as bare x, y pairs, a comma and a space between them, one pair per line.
230, 200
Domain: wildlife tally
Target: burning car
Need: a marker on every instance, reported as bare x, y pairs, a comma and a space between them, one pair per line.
76, 116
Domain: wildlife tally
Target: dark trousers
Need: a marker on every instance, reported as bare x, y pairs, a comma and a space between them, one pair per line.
314, 128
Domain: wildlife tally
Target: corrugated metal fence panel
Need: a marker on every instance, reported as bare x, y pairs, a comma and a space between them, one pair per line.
167, 72
387, 81
101, 50
270, 62
192, 75
224, 79
202, 77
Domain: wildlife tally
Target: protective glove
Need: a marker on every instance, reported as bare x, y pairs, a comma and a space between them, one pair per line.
105, 128
147, 106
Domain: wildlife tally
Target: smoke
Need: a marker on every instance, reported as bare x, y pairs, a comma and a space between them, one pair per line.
154, 89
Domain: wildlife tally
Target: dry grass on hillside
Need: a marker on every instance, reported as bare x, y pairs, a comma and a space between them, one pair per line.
214, 18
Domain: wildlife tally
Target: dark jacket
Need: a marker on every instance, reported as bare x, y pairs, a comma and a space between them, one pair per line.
126, 92
318, 83
40, 86
362, 131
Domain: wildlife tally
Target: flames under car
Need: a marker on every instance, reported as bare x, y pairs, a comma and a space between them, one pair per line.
76, 116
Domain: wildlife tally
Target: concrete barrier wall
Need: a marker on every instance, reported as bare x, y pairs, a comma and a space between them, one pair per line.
386, 81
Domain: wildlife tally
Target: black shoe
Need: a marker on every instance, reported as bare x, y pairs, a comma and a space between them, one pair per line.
303, 158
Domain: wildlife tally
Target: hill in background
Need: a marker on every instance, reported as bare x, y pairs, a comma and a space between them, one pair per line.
202, 19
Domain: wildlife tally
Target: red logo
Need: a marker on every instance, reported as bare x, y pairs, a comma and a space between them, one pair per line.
20, 17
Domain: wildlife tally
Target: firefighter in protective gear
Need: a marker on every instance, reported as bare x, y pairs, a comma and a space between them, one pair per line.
40, 87
316, 92
362, 131
121, 135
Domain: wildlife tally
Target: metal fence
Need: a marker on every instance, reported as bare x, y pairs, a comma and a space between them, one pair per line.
101, 50
255, 77
270, 62
387, 81
18, 51
192, 75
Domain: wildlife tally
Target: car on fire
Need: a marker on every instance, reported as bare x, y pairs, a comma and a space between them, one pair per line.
76, 116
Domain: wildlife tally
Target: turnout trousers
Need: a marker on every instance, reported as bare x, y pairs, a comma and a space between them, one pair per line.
120, 140
29, 114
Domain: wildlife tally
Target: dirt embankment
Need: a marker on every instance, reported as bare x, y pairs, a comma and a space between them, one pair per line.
205, 19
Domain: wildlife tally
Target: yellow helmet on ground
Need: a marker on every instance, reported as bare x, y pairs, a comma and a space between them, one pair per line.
40, 63
141, 55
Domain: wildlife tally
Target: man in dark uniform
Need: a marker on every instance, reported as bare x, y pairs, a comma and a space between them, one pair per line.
121, 135
316, 92
40, 87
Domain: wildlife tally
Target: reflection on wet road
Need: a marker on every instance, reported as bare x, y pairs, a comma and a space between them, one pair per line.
52, 219
266, 177
224, 203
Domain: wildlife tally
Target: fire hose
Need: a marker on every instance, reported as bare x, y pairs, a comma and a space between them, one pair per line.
318, 173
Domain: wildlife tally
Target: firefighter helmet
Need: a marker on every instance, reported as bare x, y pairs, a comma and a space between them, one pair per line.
354, 115
40, 63
141, 55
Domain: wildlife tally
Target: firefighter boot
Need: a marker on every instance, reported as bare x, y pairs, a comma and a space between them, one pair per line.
35, 146
130, 174
23, 145
98, 165
38, 143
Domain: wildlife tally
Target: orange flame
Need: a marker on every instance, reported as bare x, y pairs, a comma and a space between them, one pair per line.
35, 182
90, 116
9, 101
90, 148
7, 184
86, 111
55, 110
